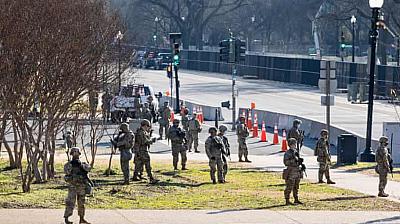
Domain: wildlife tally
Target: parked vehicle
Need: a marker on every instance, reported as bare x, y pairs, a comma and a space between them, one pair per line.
162, 60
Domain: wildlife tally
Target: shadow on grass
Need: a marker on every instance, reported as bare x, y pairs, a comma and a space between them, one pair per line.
245, 209
11, 193
104, 182
7, 168
182, 185
347, 198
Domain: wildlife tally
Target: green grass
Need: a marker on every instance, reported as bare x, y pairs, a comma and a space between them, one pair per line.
246, 188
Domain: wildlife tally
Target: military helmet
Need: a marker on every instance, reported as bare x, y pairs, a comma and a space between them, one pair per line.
324, 132
222, 128
212, 129
297, 121
124, 127
292, 141
383, 139
176, 121
145, 122
75, 149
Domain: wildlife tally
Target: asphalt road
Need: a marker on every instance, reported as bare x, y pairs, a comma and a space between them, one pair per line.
289, 98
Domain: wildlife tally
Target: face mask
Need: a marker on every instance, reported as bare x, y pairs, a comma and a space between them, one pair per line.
385, 144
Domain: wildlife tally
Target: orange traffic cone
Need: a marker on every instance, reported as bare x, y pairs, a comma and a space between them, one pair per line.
284, 142
255, 127
263, 133
201, 115
276, 136
172, 116
249, 123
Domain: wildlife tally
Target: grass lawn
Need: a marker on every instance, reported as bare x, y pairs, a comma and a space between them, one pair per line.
246, 188
368, 169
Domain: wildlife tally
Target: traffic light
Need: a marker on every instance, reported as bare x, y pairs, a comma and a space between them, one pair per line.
169, 71
224, 51
240, 50
342, 41
176, 57
226, 104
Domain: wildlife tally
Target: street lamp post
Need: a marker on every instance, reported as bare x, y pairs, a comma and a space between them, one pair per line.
249, 47
119, 38
353, 21
375, 5
156, 20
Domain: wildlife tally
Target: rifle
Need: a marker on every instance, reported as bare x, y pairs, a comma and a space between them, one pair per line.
390, 153
301, 164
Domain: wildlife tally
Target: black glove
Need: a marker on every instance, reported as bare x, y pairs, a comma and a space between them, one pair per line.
301, 160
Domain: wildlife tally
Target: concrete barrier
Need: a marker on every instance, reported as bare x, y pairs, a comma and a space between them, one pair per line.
311, 127
208, 111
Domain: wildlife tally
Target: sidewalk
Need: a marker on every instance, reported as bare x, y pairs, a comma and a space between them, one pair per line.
46, 216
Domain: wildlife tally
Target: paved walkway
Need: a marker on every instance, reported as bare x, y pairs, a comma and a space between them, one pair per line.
46, 216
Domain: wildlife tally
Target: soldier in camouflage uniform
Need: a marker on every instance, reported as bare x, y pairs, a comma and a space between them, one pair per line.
292, 173
242, 133
69, 142
214, 149
165, 117
124, 141
383, 166
178, 141
295, 133
185, 123
194, 130
143, 141
78, 185
323, 157
227, 152
138, 105
146, 113
152, 109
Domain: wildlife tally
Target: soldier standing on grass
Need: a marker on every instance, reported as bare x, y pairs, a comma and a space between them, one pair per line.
214, 148
78, 185
242, 133
227, 152
324, 157
292, 173
124, 141
178, 141
383, 164
143, 140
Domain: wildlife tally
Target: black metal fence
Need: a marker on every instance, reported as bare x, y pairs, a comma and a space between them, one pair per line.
293, 70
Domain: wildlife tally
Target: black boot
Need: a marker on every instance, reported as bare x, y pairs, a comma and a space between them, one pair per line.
67, 221
297, 201
135, 178
184, 167
288, 202
83, 221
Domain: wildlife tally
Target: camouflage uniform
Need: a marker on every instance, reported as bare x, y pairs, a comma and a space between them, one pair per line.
177, 137
323, 157
383, 166
69, 140
194, 130
214, 148
152, 109
295, 133
142, 144
165, 117
242, 133
75, 172
146, 113
292, 173
227, 151
124, 141
138, 105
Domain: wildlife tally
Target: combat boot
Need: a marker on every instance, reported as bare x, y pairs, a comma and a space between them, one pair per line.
196, 151
383, 194
321, 182
153, 181
247, 160
329, 181
126, 182
288, 202
66, 220
135, 178
83, 221
240, 160
297, 201
184, 167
